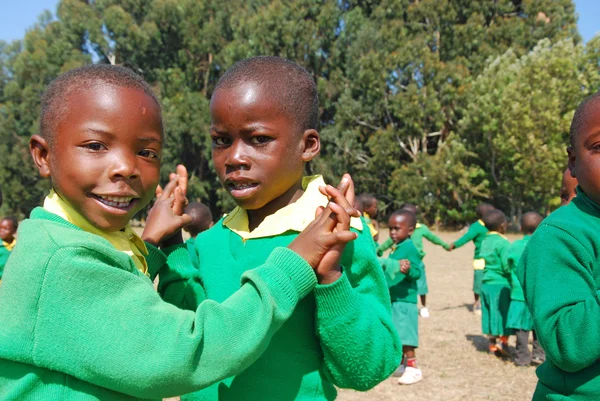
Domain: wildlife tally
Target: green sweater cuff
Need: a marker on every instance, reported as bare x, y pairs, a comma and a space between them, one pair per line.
337, 298
155, 259
295, 275
177, 255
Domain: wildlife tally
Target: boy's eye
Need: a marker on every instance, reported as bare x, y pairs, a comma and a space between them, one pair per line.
149, 154
221, 141
260, 139
94, 146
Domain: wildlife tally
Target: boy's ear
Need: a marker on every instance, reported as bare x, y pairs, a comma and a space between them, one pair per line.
572, 159
40, 152
411, 231
311, 143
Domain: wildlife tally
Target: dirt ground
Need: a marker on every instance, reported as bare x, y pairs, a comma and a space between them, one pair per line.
453, 353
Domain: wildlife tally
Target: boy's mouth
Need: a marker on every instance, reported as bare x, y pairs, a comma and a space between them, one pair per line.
241, 189
119, 202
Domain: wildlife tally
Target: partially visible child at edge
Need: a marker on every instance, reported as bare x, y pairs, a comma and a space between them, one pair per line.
80, 317
403, 292
264, 114
495, 287
421, 231
560, 274
476, 233
367, 205
202, 220
8, 230
519, 318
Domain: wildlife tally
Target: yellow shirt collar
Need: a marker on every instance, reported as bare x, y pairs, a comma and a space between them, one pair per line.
496, 233
126, 240
418, 225
10, 245
293, 217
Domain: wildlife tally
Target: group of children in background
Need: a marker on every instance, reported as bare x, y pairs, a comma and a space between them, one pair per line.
270, 302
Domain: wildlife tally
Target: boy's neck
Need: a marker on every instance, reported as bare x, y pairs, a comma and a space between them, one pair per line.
256, 217
9, 240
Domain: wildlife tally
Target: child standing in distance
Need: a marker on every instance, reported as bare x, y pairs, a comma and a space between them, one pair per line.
8, 230
264, 113
568, 188
560, 274
81, 319
519, 318
495, 288
368, 207
202, 220
403, 293
476, 233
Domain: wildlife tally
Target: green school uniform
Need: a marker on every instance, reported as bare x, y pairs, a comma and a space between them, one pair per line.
191, 247
519, 317
81, 322
4, 254
341, 334
403, 293
495, 290
560, 274
476, 233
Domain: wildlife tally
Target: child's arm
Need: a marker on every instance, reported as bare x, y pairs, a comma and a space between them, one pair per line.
384, 247
434, 239
557, 274
353, 318
468, 236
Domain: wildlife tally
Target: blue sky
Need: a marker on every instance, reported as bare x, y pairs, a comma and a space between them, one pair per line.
18, 15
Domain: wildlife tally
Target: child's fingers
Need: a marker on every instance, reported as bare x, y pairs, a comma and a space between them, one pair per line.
340, 215
180, 202
182, 175
169, 189
339, 238
336, 196
158, 191
185, 219
346, 187
319, 211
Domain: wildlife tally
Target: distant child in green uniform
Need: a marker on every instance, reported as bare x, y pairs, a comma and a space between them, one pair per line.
80, 317
8, 230
560, 274
403, 293
519, 318
421, 231
202, 220
367, 205
264, 120
568, 188
495, 287
476, 233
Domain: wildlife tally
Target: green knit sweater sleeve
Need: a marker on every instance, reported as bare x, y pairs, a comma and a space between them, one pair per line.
557, 274
384, 247
468, 236
353, 319
108, 327
434, 239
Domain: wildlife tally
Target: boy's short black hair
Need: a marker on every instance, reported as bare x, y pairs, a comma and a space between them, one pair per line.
289, 84
494, 219
482, 209
13, 220
530, 222
410, 216
410, 207
579, 115
54, 106
201, 218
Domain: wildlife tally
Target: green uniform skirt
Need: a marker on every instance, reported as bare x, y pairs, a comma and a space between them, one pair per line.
477, 280
422, 288
519, 317
495, 302
405, 316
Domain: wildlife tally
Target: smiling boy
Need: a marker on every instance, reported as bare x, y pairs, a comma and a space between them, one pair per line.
264, 114
81, 320
560, 274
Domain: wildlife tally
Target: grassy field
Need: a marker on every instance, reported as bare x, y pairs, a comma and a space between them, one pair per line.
453, 353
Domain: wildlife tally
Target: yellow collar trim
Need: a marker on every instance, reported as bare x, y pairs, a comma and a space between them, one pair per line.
293, 217
10, 245
496, 233
418, 225
126, 240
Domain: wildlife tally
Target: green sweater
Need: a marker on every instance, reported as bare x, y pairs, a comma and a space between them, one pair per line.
476, 233
421, 231
494, 250
342, 334
560, 274
403, 287
80, 322
4, 254
514, 254
191, 247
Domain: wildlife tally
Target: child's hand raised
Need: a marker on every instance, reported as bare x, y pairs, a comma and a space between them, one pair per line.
404, 266
166, 217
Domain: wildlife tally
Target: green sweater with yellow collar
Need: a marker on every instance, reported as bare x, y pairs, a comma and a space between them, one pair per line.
560, 274
476, 233
494, 250
403, 287
80, 322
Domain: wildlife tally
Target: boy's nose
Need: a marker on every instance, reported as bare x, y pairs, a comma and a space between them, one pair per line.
124, 168
237, 157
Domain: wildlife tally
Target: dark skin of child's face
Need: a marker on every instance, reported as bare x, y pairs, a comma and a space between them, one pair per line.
400, 228
258, 152
584, 155
371, 209
7, 231
567, 188
105, 156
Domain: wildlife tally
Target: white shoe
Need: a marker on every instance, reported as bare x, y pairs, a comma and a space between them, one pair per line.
424, 312
411, 376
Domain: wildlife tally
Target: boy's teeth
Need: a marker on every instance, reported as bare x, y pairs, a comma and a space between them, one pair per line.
117, 199
243, 186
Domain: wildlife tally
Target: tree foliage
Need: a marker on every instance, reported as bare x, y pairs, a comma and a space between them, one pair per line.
416, 95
